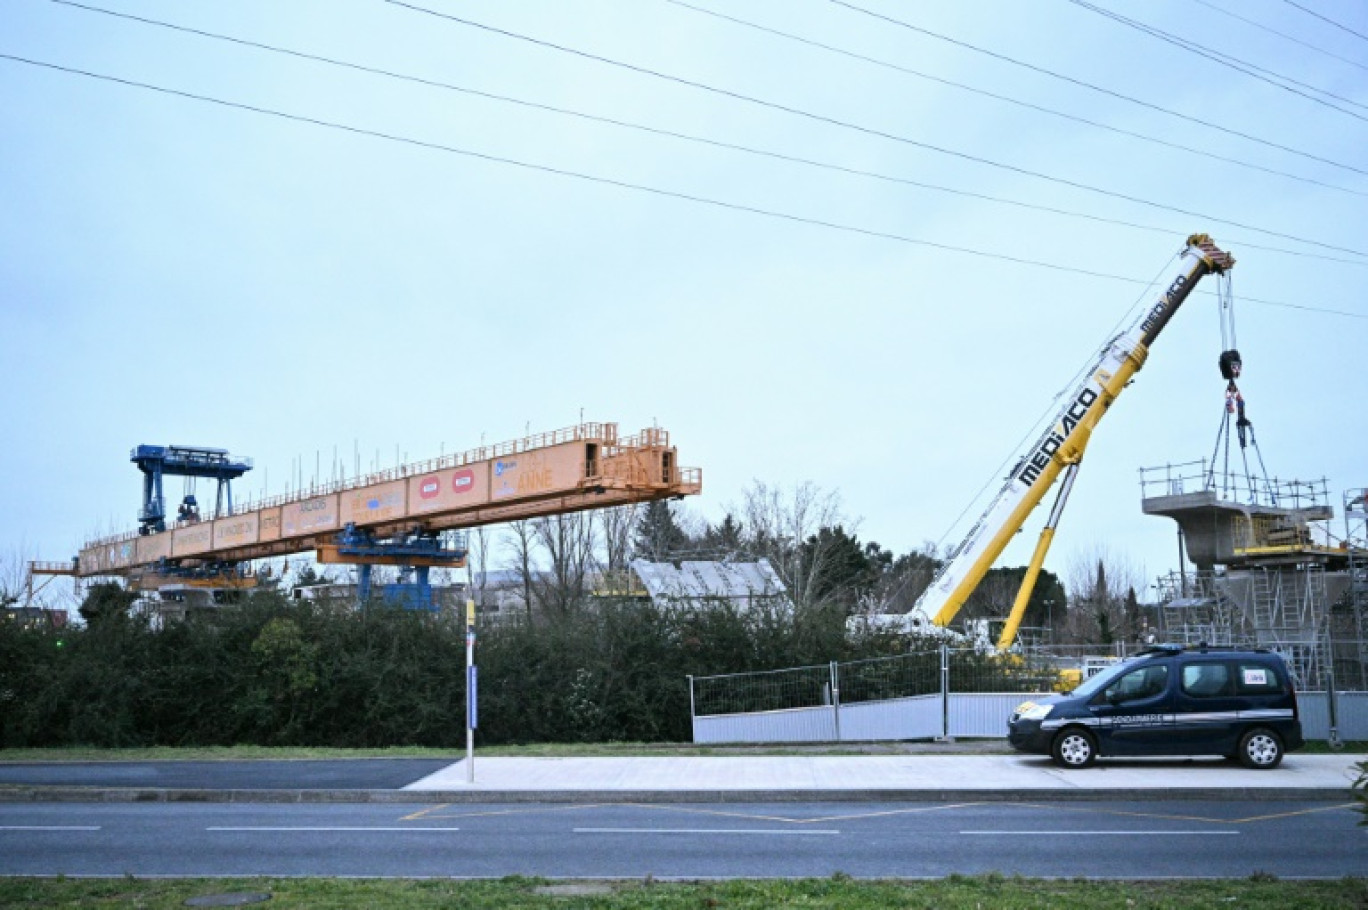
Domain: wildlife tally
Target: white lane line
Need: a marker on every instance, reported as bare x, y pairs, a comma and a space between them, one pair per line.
1072, 833
320, 828
49, 827
789, 832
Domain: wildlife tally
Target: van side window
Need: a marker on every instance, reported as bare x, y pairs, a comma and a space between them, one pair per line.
1207, 680
1145, 682
1256, 679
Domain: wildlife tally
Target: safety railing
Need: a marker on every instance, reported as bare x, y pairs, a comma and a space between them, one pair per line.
606, 434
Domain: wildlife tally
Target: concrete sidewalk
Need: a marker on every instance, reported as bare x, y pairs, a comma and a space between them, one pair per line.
886, 777
734, 779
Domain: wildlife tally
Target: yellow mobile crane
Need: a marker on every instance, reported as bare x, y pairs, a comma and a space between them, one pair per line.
1059, 450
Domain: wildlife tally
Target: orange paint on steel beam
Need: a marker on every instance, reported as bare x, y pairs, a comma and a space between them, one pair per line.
574, 469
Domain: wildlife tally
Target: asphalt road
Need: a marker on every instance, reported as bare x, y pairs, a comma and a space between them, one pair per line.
1141, 839
339, 774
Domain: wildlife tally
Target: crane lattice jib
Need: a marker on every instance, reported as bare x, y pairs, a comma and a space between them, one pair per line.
1063, 442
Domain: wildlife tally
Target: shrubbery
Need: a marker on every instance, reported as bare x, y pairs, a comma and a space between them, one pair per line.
270, 671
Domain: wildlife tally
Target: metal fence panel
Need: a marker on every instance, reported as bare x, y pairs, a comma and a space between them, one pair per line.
920, 717
983, 713
796, 725
1351, 713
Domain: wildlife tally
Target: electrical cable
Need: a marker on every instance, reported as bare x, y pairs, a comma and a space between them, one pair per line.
1340, 26
621, 184
1003, 98
1088, 85
1252, 70
702, 140
1052, 406
1273, 31
821, 118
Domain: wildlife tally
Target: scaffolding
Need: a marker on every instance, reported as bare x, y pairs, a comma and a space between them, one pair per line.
1269, 571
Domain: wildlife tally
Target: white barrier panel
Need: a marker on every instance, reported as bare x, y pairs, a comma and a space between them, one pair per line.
1351, 712
796, 725
972, 714
985, 713
919, 717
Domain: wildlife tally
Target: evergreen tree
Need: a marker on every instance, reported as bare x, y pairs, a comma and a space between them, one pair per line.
658, 536
106, 601
725, 540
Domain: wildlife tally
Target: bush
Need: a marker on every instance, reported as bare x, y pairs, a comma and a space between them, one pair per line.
273, 671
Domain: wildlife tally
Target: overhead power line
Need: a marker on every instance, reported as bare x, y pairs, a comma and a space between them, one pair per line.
1273, 31
620, 184
1277, 80
1007, 99
1090, 86
672, 134
870, 131
1339, 25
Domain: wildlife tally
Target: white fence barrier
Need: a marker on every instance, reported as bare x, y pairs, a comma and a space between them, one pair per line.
944, 714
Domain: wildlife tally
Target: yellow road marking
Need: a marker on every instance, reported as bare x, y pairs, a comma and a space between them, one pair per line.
436, 812
1186, 818
1264, 818
495, 812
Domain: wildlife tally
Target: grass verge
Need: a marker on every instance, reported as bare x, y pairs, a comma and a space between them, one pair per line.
838, 891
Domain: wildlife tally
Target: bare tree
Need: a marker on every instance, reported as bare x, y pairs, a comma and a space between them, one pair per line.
569, 543
14, 580
521, 543
781, 521
478, 542
618, 524
898, 589
1103, 606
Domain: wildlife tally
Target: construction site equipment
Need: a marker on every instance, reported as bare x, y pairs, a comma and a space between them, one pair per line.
390, 517
1059, 450
191, 462
1269, 570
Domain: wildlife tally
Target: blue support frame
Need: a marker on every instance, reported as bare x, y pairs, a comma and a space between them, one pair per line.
183, 461
365, 551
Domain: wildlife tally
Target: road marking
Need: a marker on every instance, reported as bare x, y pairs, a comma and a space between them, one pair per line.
319, 828
775, 831
1264, 818
1185, 818
756, 816
427, 813
1077, 833
49, 827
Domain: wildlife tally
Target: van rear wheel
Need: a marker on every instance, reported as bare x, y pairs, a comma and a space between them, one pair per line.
1260, 748
1074, 748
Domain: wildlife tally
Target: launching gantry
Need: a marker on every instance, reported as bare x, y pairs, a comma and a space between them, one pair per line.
393, 517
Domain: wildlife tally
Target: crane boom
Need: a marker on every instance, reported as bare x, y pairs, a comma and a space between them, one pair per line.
1062, 444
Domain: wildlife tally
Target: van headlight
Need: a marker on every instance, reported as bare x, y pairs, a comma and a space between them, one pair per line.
1032, 711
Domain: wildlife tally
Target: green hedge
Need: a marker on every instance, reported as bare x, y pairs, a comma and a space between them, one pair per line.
270, 671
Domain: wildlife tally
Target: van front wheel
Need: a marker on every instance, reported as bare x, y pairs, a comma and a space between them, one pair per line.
1260, 748
1074, 748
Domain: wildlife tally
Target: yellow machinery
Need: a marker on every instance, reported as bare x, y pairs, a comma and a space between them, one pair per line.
1058, 451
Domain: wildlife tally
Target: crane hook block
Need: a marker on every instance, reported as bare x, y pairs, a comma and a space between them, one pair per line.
1230, 364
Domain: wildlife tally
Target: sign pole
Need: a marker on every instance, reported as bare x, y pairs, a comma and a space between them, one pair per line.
470, 691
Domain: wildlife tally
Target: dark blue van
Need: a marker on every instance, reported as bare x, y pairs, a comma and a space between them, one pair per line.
1169, 700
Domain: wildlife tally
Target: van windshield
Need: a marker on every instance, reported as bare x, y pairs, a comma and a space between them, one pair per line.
1095, 683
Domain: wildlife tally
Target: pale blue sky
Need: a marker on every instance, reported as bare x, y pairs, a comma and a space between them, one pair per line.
180, 272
